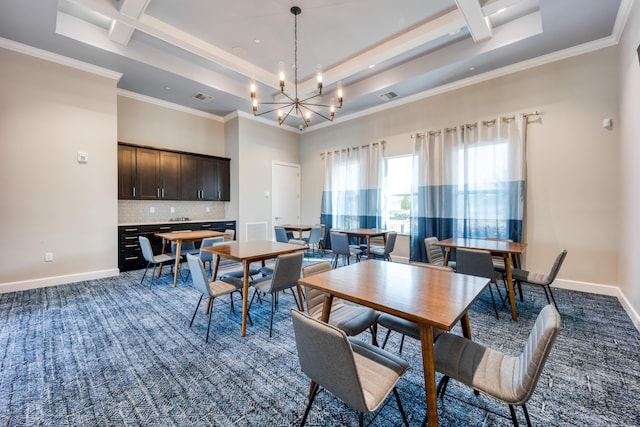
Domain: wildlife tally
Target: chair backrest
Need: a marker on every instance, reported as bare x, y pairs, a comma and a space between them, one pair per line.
555, 268
326, 357
287, 270
281, 234
498, 260
184, 245
475, 262
147, 250
314, 297
314, 235
200, 279
323, 229
340, 244
391, 242
229, 234
532, 359
434, 253
209, 241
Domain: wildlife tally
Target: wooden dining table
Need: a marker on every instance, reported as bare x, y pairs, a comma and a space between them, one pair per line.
364, 233
183, 236
300, 228
431, 298
509, 251
246, 253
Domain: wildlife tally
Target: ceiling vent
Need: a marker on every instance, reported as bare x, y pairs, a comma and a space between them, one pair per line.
202, 97
388, 96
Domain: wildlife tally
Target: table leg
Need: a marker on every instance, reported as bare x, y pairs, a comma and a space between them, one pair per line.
447, 255
512, 299
245, 295
428, 364
466, 326
300, 296
164, 248
515, 261
177, 266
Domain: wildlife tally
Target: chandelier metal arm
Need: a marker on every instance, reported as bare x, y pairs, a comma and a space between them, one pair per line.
294, 102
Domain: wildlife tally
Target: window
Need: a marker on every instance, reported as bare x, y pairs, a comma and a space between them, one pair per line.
398, 193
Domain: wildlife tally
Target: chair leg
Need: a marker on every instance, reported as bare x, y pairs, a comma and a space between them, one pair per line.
145, 272
197, 307
386, 338
209, 324
360, 419
401, 343
442, 386
314, 392
514, 419
548, 287
526, 414
495, 307
273, 308
153, 275
404, 416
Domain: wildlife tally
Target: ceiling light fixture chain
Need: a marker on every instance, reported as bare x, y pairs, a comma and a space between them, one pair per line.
303, 106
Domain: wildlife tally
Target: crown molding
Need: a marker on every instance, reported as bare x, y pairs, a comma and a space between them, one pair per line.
167, 104
59, 59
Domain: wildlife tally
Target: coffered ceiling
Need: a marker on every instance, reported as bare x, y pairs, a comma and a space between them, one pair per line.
203, 54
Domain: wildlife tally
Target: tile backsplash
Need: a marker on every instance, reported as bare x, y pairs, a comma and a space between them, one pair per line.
140, 211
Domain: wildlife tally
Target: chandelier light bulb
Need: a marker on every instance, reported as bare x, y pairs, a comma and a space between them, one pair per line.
281, 75
319, 76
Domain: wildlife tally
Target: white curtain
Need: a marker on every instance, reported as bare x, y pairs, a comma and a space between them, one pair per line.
353, 194
469, 181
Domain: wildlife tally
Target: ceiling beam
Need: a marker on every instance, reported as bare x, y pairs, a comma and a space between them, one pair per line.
121, 32
478, 25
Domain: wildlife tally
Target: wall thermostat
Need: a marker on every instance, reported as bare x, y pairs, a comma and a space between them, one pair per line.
83, 157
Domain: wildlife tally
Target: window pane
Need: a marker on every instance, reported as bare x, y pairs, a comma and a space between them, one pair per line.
398, 193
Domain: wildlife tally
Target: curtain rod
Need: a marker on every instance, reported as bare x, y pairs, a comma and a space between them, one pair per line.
486, 122
337, 150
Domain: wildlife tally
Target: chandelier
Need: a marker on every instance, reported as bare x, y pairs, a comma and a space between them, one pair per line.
293, 104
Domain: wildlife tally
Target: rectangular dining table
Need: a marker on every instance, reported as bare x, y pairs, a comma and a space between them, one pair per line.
183, 236
300, 228
246, 253
366, 233
431, 298
508, 250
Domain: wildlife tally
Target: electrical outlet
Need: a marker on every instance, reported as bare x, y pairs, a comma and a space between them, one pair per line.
152, 210
48, 256
208, 209
173, 210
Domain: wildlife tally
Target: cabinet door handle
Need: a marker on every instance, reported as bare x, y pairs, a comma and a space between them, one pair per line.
158, 193
162, 192
134, 192
219, 195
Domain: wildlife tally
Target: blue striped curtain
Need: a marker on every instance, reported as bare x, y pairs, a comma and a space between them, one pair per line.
353, 190
469, 181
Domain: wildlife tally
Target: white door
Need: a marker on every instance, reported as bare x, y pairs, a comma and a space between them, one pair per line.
285, 194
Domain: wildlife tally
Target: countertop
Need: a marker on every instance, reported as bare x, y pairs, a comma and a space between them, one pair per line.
191, 221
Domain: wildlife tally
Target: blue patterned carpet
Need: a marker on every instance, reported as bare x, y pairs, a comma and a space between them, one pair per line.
113, 352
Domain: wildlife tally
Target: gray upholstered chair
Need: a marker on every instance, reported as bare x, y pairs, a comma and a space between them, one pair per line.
282, 235
544, 280
359, 374
147, 253
209, 289
340, 247
286, 273
323, 229
229, 234
435, 255
314, 238
352, 319
478, 263
510, 379
385, 251
208, 256
407, 327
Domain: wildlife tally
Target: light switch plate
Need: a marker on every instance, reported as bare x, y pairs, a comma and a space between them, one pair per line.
83, 157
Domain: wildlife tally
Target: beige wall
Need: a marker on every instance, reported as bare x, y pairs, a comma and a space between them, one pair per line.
629, 129
144, 123
50, 202
572, 199
259, 145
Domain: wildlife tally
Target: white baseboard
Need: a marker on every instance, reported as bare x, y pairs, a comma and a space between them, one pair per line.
56, 280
